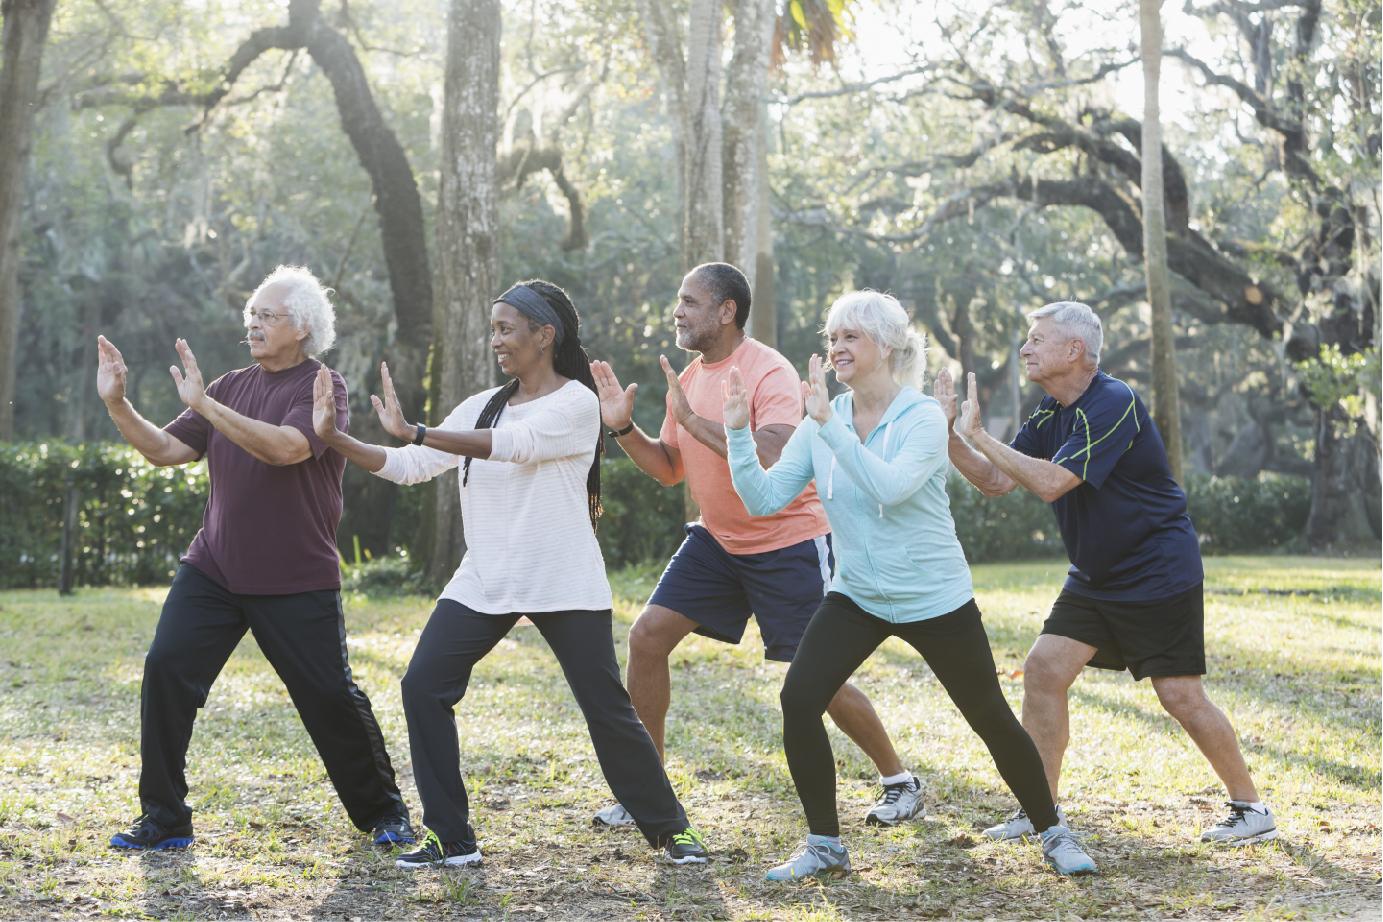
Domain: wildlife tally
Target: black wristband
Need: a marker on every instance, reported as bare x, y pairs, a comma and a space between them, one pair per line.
616, 433
420, 435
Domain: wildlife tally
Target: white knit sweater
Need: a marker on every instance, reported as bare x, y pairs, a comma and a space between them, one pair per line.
529, 542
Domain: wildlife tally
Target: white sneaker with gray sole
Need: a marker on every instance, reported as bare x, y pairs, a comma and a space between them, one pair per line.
1243, 826
612, 816
897, 803
1018, 826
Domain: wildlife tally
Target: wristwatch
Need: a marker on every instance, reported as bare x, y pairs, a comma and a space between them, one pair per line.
616, 433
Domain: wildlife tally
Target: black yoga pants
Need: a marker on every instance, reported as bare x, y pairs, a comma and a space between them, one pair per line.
839, 638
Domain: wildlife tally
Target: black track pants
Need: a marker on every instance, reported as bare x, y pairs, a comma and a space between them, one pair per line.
303, 636
455, 639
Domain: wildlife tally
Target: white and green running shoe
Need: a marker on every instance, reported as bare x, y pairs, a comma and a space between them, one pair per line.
816, 858
435, 853
1243, 826
686, 847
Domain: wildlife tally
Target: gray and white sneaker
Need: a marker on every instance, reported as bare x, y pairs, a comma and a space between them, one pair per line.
896, 803
1018, 826
1243, 826
813, 859
1063, 852
612, 816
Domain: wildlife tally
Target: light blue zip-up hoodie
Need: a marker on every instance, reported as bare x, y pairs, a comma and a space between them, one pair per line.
897, 555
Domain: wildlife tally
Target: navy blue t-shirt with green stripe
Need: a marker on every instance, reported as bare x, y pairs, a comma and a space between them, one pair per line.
1125, 526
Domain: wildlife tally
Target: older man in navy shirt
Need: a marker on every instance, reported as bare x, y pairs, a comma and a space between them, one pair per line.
1133, 596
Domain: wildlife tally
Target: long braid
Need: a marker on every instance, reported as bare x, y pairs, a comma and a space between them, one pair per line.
493, 408
569, 360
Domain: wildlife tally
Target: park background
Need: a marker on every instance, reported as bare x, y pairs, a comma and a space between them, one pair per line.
157, 159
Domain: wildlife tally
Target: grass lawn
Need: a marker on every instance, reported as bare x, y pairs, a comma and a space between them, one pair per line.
1294, 659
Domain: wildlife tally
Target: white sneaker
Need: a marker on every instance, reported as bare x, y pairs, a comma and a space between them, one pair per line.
897, 802
813, 859
1243, 826
1018, 826
612, 816
1063, 852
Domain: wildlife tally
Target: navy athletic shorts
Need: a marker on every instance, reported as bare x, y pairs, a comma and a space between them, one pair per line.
719, 591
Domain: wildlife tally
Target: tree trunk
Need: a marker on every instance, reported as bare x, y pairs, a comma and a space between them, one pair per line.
1166, 411
703, 224
742, 127
763, 319
467, 242
1337, 518
25, 32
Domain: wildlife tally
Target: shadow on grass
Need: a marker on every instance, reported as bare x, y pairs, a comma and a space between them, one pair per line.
174, 888
1159, 720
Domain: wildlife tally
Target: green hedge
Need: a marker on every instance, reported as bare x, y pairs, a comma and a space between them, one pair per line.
134, 520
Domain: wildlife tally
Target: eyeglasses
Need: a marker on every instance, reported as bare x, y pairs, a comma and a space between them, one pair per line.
268, 318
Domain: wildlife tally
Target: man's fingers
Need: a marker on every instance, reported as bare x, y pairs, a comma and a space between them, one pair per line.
177, 375
630, 391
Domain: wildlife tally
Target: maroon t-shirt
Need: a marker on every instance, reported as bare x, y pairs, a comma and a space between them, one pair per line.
268, 530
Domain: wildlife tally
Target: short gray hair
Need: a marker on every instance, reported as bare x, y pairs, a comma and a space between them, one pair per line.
880, 317
305, 300
1078, 321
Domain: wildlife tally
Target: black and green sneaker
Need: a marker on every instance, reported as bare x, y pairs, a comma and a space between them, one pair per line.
685, 847
435, 853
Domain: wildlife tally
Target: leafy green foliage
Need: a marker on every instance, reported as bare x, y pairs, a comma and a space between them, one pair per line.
1349, 383
134, 520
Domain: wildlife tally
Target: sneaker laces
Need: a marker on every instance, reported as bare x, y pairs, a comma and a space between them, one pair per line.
688, 836
1236, 815
892, 792
433, 843
1058, 839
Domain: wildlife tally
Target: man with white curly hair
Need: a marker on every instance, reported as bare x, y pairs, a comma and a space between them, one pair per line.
264, 561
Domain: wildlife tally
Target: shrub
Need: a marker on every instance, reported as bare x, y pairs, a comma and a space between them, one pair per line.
1233, 515
1018, 526
643, 519
134, 520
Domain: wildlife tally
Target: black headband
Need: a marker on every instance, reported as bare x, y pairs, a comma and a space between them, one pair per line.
534, 305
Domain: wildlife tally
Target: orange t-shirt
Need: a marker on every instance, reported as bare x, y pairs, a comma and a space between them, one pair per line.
775, 398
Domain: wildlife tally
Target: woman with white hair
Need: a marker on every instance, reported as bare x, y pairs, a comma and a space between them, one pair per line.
878, 456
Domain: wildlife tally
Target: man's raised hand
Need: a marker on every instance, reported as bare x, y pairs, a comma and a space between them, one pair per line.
944, 390
616, 404
110, 371
324, 405
677, 402
971, 419
189, 381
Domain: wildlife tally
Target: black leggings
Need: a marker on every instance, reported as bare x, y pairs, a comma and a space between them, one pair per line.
840, 637
455, 639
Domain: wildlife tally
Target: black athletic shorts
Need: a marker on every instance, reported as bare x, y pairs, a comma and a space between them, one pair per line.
1164, 638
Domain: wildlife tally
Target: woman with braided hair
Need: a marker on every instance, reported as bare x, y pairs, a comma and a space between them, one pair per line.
530, 496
